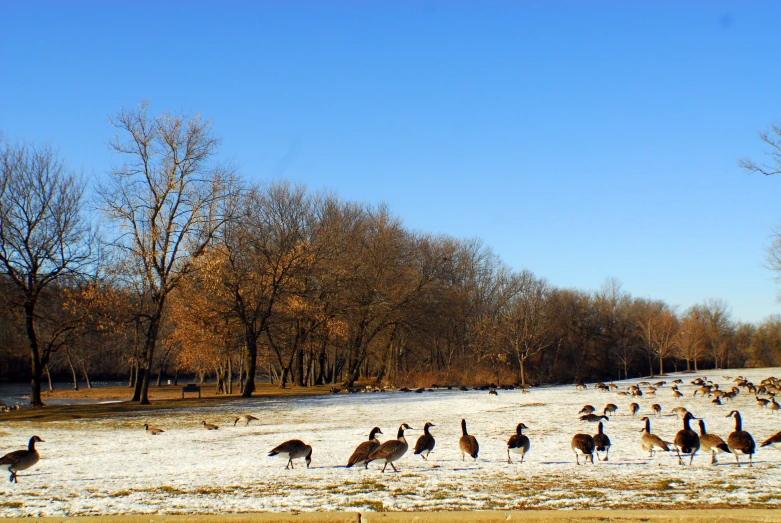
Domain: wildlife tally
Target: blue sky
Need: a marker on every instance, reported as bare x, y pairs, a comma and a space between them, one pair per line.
580, 140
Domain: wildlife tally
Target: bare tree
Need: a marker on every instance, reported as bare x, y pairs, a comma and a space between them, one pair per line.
166, 199
718, 327
44, 237
691, 337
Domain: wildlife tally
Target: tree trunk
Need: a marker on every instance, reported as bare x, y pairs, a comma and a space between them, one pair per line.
250, 361
230, 375
149, 352
73, 370
523, 372
35, 355
49, 378
176, 376
86, 376
661, 364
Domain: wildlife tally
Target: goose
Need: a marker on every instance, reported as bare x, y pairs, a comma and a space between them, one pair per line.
593, 418
610, 408
18, 460
634, 408
492, 392
392, 450
601, 442
209, 426
686, 440
293, 449
154, 431
468, 443
425, 443
246, 418
657, 409
679, 380
773, 406
680, 412
518, 443
583, 444
677, 394
648, 441
773, 441
740, 441
762, 402
587, 409
712, 443
363, 450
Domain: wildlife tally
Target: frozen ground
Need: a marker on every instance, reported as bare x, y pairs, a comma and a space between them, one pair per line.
112, 466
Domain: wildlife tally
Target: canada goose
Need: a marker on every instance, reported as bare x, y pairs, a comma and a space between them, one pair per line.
680, 412
773, 406
293, 449
677, 394
154, 431
580, 386
209, 426
762, 402
18, 460
610, 408
716, 401
593, 418
601, 442
363, 450
583, 444
648, 441
246, 418
657, 409
587, 409
773, 441
740, 441
686, 440
425, 443
468, 443
712, 443
518, 443
634, 408
493, 392
392, 450
679, 380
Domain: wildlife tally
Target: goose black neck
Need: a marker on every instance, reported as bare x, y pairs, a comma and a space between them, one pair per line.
648, 425
400, 435
686, 423
519, 430
425, 430
31, 445
463, 427
373, 433
702, 428
599, 428
738, 422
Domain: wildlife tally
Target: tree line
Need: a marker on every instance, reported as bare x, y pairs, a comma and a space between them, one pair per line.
197, 271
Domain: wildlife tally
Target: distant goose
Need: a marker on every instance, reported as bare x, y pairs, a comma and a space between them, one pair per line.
650, 441
657, 409
593, 418
493, 392
154, 431
712, 443
773, 441
773, 406
392, 450
293, 449
246, 418
363, 450
610, 408
209, 426
677, 394
679, 380
518, 443
468, 443
425, 443
583, 445
634, 408
21, 459
587, 409
680, 412
601, 442
762, 402
740, 441
686, 440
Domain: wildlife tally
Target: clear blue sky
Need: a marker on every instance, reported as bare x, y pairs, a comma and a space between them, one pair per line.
581, 140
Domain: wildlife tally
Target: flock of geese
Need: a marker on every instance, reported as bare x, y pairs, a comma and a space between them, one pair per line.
687, 442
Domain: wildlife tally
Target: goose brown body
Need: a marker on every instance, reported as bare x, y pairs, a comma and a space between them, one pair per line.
154, 431
209, 426
468, 443
711, 443
425, 443
518, 443
686, 440
601, 442
773, 441
649, 441
246, 418
391, 450
293, 449
583, 444
593, 418
18, 460
740, 441
363, 450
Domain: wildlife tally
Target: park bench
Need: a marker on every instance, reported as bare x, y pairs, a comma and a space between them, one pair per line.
191, 387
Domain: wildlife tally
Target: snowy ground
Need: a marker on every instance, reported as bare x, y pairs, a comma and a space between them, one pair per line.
112, 466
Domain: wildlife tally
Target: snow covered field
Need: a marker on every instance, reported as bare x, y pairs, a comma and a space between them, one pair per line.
113, 466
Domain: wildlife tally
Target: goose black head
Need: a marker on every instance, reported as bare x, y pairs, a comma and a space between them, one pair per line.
308, 457
374, 432
520, 427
